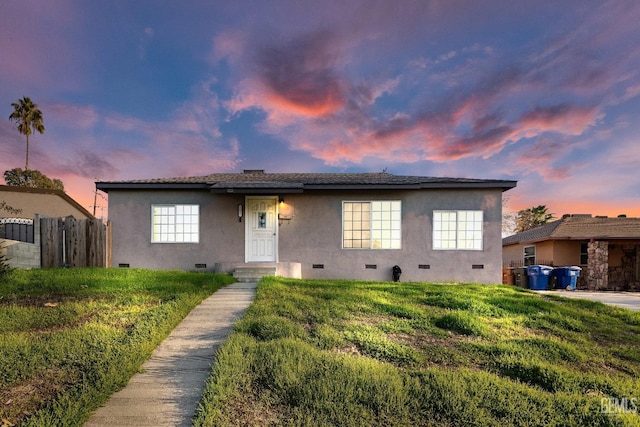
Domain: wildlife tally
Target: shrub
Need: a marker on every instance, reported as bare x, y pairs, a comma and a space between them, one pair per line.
4, 265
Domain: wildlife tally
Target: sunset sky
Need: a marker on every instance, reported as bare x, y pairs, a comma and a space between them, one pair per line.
543, 92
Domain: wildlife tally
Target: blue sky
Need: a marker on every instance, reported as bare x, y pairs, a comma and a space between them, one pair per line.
547, 93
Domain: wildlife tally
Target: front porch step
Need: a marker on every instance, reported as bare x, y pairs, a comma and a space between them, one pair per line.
253, 273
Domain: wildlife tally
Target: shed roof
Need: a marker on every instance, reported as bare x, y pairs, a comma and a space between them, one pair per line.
579, 227
255, 180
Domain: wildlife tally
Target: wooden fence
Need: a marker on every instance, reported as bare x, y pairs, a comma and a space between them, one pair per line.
70, 242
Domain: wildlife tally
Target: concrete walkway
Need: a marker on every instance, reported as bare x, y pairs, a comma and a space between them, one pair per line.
167, 390
628, 300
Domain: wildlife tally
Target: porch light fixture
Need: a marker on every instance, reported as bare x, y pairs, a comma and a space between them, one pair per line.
281, 200
240, 212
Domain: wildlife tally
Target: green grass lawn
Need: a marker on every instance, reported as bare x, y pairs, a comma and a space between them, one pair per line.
69, 338
349, 353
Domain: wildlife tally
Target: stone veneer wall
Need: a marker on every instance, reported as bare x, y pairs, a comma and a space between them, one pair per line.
598, 265
625, 277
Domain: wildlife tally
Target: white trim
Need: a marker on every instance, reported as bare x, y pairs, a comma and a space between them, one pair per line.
173, 205
436, 239
247, 229
372, 229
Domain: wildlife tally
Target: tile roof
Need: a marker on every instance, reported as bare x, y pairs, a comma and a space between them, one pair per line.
258, 179
579, 227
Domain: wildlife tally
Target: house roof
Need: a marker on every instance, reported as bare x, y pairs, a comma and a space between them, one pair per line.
251, 181
579, 227
64, 196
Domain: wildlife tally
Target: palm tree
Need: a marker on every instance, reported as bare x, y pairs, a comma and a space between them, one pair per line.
28, 118
532, 217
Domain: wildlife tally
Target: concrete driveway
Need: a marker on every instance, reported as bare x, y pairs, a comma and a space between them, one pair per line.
628, 300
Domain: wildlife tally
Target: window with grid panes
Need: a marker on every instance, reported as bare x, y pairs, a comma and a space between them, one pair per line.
529, 255
371, 225
457, 230
175, 223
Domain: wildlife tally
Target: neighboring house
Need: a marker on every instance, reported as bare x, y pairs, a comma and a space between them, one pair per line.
32, 201
20, 232
312, 225
607, 249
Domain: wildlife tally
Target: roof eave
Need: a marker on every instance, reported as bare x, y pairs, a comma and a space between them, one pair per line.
565, 238
504, 185
106, 186
254, 190
298, 187
361, 187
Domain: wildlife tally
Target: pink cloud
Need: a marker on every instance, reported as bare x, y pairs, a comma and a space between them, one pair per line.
563, 118
298, 76
482, 144
123, 123
542, 158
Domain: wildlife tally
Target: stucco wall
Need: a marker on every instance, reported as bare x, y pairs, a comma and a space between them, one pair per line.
566, 253
512, 254
313, 235
515, 253
31, 204
221, 235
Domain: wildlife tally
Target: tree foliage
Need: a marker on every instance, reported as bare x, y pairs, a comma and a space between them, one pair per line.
532, 217
6, 208
508, 218
28, 119
32, 179
4, 264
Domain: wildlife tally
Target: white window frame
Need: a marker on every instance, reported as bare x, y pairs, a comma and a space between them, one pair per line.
379, 227
458, 230
175, 223
525, 255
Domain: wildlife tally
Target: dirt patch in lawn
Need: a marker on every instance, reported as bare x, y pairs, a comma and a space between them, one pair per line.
21, 400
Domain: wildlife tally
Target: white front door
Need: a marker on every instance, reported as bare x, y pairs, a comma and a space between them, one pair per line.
261, 229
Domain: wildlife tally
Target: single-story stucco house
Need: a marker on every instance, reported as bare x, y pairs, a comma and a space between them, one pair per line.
606, 249
312, 225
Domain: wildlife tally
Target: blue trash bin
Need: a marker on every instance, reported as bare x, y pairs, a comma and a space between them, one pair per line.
567, 277
539, 277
